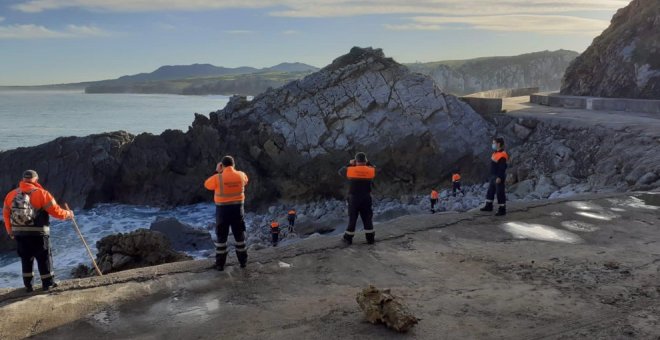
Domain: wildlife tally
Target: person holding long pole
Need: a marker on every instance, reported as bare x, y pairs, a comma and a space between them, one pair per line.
26, 214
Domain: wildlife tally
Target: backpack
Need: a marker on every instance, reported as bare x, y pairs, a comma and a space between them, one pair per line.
22, 211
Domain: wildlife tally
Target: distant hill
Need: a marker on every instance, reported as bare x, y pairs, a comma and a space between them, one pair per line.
245, 84
540, 69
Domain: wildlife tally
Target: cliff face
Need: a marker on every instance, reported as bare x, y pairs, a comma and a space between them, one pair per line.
290, 140
541, 69
624, 61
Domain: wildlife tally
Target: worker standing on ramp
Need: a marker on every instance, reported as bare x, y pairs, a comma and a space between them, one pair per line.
26, 214
360, 174
229, 187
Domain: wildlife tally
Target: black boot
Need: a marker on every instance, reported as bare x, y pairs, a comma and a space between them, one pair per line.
501, 211
29, 289
487, 207
371, 238
348, 240
47, 284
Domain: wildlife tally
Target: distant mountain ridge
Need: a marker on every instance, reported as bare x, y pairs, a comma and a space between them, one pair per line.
543, 69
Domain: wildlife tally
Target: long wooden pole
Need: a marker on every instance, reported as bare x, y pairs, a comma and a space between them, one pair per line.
89, 251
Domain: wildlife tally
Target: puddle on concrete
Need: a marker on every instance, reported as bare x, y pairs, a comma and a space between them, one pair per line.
579, 226
584, 205
601, 215
643, 201
649, 198
540, 232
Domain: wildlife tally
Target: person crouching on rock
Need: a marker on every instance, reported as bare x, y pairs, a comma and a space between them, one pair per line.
434, 200
498, 165
275, 232
229, 187
26, 214
360, 174
291, 217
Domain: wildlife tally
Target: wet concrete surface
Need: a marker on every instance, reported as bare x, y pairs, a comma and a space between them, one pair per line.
545, 271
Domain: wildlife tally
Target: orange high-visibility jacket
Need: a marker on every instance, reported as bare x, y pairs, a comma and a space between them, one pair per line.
455, 177
360, 172
229, 186
40, 200
434, 195
497, 155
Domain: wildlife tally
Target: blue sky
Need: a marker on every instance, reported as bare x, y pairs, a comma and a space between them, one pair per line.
60, 41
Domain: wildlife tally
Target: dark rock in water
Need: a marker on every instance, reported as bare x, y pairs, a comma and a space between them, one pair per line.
82, 271
382, 307
140, 248
79, 171
6, 243
183, 237
624, 61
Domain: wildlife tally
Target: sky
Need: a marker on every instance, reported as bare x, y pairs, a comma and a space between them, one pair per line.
63, 41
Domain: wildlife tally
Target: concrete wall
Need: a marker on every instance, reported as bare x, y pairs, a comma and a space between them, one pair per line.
505, 93
597, 104
484, 106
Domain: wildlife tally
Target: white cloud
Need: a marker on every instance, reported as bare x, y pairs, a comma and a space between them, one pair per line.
546, 24
238, 32
31, 31
334, 8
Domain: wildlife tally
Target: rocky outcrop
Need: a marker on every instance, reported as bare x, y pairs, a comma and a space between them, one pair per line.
541, 69
140, 248
79, 171
290, 141
624, 61
553, 158
181, 236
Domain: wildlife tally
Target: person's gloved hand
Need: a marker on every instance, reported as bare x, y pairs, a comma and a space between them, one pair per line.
70, 215
218, 167
11, 235
498, 180
351, 162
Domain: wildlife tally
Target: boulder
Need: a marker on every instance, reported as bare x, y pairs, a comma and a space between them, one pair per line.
383, 307
624, 61
183, 237
140, 248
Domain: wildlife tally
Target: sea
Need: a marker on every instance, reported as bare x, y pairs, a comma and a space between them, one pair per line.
29, 118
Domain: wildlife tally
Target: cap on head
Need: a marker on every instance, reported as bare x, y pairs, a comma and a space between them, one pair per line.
30, 175
227, 161
361, 157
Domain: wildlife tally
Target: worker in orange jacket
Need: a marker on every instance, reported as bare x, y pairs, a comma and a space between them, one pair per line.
291, 216
275, 232
229, 188
456, 183
434, 199
360, 174
498, 165
26, 214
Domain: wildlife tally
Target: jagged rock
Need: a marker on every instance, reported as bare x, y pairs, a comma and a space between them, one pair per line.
382, 307
82, 271
539, 69
624, 61
183, 237
79, 171
140, 248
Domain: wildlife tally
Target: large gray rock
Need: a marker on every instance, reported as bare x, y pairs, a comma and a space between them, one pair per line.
140, 248
183, 237
289, 140
624, 61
